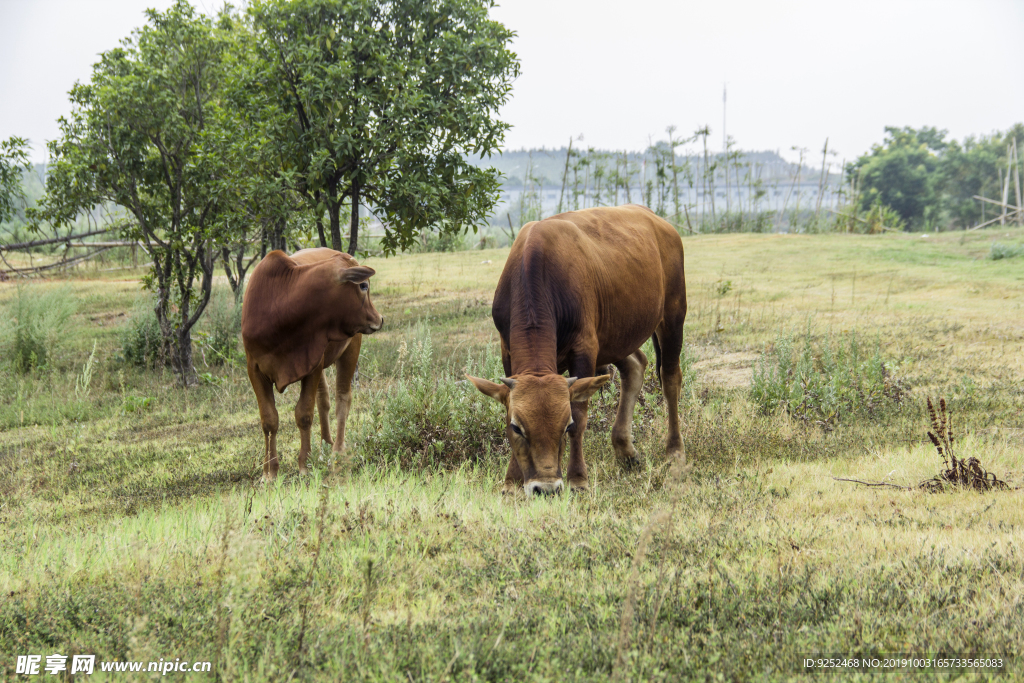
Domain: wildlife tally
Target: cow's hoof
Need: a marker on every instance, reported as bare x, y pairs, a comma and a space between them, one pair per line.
675, 454
511, 488
303, 471
579, 485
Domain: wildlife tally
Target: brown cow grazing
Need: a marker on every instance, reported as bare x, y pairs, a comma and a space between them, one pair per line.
582, 290
302, 313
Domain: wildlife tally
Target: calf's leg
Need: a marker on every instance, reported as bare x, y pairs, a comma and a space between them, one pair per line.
304, 413
264, 390
323, 409
346, 370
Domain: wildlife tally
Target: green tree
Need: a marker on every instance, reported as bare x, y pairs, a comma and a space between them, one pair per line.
900, 173
13, 164
972, 168
379, 102
258, 205
142, 136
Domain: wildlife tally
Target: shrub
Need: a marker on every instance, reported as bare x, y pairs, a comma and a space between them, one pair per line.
1001, 251
35, 326
429, 417
825, 381
141, 340
219, 342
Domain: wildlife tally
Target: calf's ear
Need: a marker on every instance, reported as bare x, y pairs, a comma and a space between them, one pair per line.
499, 392
582, 389
357, 274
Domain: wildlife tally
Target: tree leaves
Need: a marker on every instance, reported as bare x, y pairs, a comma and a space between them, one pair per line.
403, 82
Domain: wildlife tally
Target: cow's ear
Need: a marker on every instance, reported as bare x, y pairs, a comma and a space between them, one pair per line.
357, 274
582, 389
499, 392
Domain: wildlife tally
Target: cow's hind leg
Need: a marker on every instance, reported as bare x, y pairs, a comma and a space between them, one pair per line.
632, 369
323, 409
670, 343
264, 390
304, 413
346, 369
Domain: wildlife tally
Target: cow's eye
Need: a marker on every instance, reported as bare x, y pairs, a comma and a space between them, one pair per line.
516, 429
365, 286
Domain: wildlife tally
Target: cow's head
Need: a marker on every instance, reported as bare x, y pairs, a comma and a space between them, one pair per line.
354, 298
538, 417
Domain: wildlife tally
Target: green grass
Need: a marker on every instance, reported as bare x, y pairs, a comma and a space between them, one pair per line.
134, 526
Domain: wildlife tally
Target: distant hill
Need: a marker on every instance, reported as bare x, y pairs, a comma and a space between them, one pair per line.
548, 165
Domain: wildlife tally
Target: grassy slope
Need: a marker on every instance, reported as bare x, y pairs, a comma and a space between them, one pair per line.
139, 535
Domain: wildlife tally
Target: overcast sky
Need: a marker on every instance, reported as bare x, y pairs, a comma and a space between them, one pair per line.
619, 72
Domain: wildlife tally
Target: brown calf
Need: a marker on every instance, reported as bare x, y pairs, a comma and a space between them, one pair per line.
301, 313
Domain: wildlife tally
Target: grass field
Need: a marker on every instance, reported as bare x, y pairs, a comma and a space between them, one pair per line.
135, 527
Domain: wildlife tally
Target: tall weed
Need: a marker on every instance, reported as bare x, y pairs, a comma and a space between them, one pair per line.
429, 416
825, 381
35, 326
141, 339
1001, 251
218, 343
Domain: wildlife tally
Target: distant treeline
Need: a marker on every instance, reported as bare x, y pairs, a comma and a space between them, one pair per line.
916, 179
935, 184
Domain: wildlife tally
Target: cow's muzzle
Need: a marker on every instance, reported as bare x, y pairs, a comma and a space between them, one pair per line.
546, 488
373, 327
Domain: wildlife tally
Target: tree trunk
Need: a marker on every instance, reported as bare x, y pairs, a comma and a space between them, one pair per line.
320, 230
334, 211
182, 361
353, 242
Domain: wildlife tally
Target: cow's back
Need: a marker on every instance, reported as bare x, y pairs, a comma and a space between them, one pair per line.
607, 273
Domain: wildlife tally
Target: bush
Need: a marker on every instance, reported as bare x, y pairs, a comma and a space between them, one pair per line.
1001, 251
429, 417
35, 326
218, 344
141, 339
824, 382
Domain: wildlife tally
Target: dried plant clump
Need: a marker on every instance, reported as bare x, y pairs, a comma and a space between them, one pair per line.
961, 473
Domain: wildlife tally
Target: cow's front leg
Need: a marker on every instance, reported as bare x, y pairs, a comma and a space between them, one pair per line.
304, 413
264, 390
581, 366
632, 370
513, 476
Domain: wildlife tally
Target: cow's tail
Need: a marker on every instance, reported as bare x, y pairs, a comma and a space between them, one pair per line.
657, 358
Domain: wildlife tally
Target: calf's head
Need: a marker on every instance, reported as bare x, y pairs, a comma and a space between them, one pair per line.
538, 417
352, 301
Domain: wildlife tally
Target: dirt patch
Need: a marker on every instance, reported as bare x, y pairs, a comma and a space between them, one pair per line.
730, 370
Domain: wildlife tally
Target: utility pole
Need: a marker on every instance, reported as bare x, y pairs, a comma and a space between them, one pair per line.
725, 137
